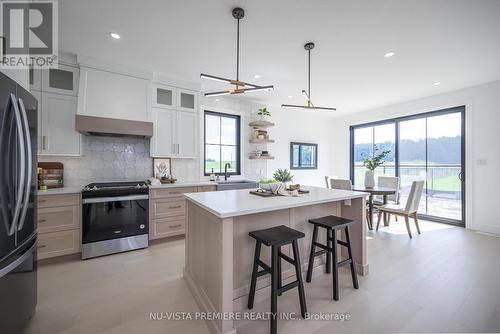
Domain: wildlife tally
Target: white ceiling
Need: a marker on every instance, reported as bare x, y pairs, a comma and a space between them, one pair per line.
455, 42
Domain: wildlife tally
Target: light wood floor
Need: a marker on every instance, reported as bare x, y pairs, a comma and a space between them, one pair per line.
445, 280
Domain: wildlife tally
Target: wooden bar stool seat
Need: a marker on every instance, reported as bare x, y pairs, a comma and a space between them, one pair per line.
332, 224
276, 237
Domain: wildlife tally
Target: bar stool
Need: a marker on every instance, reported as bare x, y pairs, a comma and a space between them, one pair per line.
332, 224
276, 237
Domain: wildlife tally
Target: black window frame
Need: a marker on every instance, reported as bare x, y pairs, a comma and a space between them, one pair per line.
397, 120
238, 142
315, 156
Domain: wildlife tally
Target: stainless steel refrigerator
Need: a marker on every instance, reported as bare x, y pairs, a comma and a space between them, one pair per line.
18, 184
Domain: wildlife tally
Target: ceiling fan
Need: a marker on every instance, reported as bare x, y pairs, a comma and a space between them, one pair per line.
240, 87
308, 46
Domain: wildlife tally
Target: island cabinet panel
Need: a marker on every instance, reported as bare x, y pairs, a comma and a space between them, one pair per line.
167, 211
219, 251
59, 225
206, 189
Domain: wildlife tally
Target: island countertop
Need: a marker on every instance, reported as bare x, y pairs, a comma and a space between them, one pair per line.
233, 203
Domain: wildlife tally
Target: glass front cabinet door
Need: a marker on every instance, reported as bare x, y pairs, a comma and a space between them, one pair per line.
61, 80
164, 97
188, 100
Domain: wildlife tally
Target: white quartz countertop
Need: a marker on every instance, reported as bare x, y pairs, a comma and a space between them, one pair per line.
184, 184
60, 191
232, 203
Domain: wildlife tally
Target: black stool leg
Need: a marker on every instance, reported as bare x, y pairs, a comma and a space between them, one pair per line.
298, 272
274, 290
253, 282
328, 253
335, 269
280, 282
311, 255
349, 250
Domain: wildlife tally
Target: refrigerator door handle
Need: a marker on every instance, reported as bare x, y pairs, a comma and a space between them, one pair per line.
20, 191
28, 168
11, 266
3, 128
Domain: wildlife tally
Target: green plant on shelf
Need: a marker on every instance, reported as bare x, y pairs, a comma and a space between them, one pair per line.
264, 112
283, 175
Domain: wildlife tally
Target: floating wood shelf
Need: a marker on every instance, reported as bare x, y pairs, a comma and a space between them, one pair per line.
261, 141
261, 124
253, 157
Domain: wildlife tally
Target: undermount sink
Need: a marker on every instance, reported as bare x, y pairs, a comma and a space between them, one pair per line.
236, 184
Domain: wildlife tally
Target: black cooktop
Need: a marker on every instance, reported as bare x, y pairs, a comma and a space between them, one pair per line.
114, 189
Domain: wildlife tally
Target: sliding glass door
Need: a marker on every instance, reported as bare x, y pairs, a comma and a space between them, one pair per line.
427, 147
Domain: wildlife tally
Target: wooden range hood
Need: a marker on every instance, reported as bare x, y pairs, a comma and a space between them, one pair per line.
102, 126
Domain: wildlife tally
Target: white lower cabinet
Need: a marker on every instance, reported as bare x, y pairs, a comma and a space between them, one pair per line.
57, 132
175, 135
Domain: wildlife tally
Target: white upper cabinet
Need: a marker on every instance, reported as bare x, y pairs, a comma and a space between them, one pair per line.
175, 134
60, 80
110, 94
187, 134
187, 100
164, 96
164, 142
57, 132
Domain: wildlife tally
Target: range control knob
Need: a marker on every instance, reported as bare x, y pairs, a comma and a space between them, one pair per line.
142, 226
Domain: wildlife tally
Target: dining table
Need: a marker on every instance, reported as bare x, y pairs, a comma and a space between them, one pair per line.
376, 190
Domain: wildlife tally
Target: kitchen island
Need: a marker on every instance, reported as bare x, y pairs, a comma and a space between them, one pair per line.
219, 252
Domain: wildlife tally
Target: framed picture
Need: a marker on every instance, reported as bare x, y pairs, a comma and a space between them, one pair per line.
303, 156
161, 167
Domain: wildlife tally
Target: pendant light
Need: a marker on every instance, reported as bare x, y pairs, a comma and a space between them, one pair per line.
308, 46
239, 86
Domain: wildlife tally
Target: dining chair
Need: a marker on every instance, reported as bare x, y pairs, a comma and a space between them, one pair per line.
327, 180
408, 210
341, 184
347, 185
391, 182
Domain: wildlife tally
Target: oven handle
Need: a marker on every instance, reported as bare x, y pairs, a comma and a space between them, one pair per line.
114, 199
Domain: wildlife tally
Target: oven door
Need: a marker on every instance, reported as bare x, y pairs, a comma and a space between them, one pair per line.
106, 218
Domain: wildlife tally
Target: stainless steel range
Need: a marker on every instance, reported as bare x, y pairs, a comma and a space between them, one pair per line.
114, 218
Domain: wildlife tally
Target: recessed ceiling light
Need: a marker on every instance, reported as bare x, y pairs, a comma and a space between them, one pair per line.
389, 54
256, 76
216, 100
437, 83
114, 35
290, 96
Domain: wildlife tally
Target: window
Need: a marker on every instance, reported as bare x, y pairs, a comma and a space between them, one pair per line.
222, 143
428, 146
303, 156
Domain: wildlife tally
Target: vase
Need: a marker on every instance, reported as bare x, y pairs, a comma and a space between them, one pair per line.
369, 179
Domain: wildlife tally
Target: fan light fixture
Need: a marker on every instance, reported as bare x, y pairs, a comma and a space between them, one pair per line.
240, 86
308, 46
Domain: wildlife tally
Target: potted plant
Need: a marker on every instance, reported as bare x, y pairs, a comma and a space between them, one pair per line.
372, 163
283, 176
263, 113
267, 184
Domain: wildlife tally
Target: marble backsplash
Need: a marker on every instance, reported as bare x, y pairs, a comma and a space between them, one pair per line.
107, 159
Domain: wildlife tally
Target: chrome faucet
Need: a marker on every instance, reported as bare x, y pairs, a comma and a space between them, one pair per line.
226, 175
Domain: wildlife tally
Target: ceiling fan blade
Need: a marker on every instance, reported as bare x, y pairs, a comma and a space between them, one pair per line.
214, 78
224, 92
258, 89
324, 108
307, 107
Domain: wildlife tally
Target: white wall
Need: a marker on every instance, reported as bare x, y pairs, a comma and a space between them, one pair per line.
294, 125
482, 145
